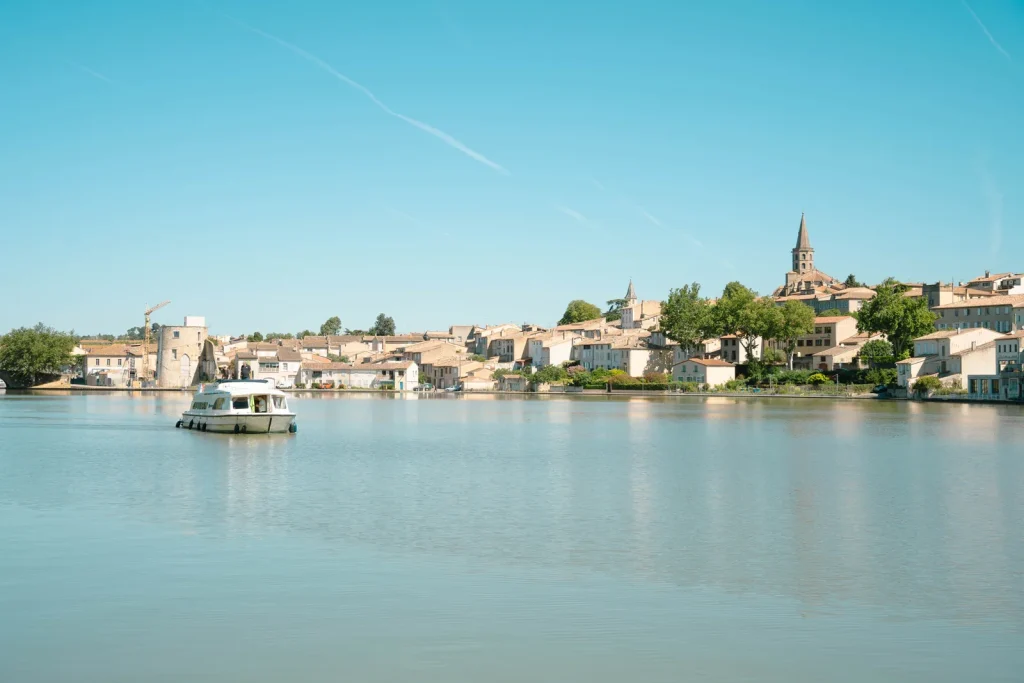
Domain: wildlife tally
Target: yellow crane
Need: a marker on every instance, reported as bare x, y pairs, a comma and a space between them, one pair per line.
146, 373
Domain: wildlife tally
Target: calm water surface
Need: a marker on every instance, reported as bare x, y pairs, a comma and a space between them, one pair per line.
481, 539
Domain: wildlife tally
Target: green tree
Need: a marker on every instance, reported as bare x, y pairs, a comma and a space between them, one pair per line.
28, 353
278, 335
687, 318
331, 327
304, 334
900, 318
772, 356
792, 321
734, 300
877, 352
927, 384
579, 311
384, 326
851, 281
757, 320
255, 337
549, 374
477, 357
615, 307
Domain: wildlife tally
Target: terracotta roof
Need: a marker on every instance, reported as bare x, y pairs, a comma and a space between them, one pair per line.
363, 367
992, 278
710, 362
511, 377
1014, 300
118, 350
246, 355
289, 355
855, 293
838, 351
979, 347
911, 361
315, 360
953, 332
314, 342
832, 318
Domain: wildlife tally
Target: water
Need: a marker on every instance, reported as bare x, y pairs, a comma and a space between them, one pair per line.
481, 539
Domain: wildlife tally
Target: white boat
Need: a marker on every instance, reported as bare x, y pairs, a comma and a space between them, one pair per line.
246, 406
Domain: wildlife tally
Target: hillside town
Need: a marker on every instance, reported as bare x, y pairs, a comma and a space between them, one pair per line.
971, 345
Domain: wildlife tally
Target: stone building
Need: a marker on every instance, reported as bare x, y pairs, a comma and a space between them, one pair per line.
178, 352
804, 278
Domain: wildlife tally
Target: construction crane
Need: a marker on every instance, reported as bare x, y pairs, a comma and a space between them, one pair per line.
146, 373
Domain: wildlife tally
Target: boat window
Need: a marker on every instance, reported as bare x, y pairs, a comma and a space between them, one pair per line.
279, 402
220, 403
240, 402
260, 404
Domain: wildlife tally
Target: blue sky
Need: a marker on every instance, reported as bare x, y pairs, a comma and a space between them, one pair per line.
518, 155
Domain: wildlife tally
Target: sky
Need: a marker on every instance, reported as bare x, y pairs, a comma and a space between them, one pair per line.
269, 165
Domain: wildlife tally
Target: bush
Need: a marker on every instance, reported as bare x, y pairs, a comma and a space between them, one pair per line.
926, 385
886, 376
618, 378
689, 387
316, 385
656, 377
300, 385
735, 385
817, 379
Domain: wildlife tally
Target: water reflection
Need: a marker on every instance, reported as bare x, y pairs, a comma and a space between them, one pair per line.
912, 508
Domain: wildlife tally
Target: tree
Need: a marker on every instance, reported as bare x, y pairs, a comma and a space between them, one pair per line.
770, 356
28, 353
900, 318
877, 352
792, 321
278, 335
384, 326
735, 298
304, 334
927, 384
255, 337
477, 357
615, 307
549, 374
817, 379
358, 333
134, 333
687, 318
756, 321
579, 311
851, 281
331, 327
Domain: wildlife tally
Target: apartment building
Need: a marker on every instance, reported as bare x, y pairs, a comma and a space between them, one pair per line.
999, 313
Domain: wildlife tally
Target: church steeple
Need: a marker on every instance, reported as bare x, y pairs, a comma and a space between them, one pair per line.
630, 293
803, 253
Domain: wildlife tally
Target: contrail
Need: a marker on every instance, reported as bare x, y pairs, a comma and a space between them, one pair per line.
94, 74
992, 40
426, 127
575, 215
651, 218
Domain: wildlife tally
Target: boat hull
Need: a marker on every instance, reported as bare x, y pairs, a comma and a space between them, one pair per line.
269, 423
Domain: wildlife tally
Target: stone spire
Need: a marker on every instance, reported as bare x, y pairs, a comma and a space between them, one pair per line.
802, 240
631, 292
803, 253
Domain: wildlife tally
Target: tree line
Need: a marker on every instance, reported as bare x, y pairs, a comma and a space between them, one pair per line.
689, 318
383, 326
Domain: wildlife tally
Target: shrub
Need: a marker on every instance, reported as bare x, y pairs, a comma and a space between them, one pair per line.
926, 385
618, 378
300, 385
735, 385
316, 385
688, 387
656, 377
817, 379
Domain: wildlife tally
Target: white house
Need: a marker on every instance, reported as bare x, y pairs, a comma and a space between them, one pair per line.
401, 376
952, 355
710, 371
551, 348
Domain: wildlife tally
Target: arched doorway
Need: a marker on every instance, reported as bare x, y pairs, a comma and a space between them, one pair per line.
186, 370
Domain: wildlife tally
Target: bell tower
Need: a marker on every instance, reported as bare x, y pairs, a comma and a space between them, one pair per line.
803, 254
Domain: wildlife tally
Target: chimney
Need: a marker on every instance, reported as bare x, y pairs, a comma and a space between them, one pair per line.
987, 273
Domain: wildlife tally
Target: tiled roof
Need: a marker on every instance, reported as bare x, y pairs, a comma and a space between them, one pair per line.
979, 347
363, 367
1015, 300
314, 342
710, 362
832, 318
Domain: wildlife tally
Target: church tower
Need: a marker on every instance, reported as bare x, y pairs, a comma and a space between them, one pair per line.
803, 254
630, 294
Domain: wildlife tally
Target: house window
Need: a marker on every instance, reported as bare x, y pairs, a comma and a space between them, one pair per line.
108, 362
817, 342
175, 334
284, 366
799, 342
817, 330
174, 354
974, 386
995, 386
118, 362
97, 361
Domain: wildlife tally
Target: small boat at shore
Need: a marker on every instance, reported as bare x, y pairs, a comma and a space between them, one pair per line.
240, 406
